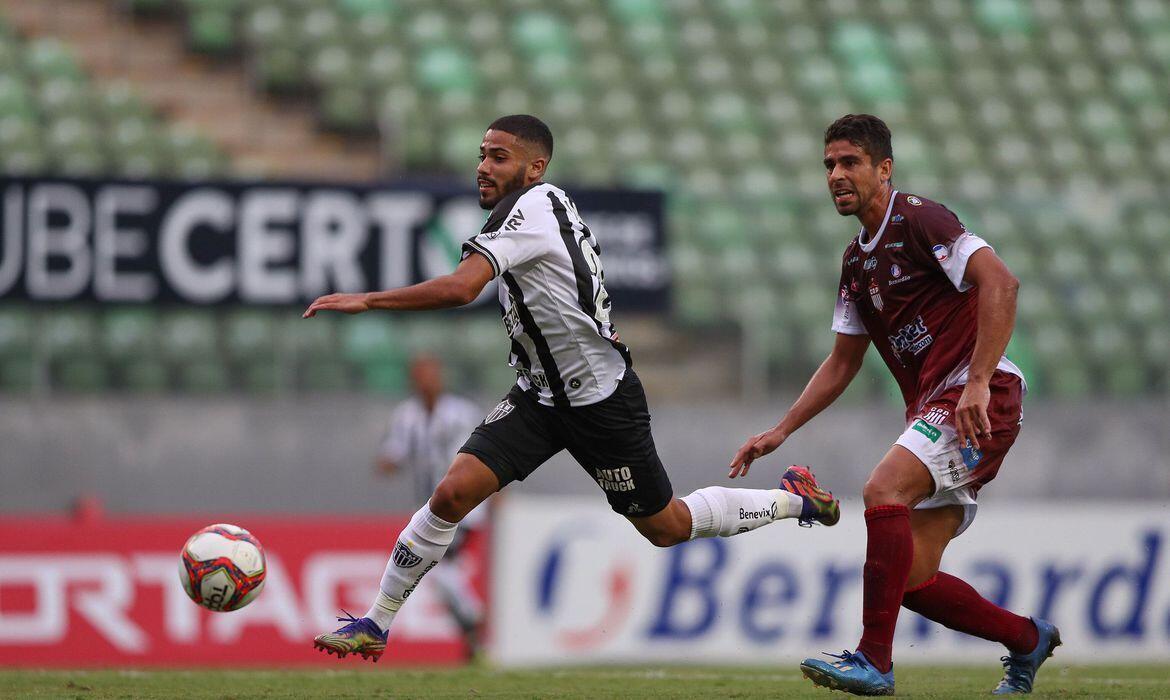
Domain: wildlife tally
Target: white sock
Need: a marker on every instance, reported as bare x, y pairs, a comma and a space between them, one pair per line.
421, 545
716, 510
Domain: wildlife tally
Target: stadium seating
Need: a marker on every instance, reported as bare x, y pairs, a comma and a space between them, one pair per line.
1045, 125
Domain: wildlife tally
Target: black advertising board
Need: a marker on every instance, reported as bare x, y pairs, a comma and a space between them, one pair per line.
278, 243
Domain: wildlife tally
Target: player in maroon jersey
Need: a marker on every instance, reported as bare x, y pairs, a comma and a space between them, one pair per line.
939, 305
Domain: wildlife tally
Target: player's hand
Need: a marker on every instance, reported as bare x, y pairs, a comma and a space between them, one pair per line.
971, 421
757, 446
345, 303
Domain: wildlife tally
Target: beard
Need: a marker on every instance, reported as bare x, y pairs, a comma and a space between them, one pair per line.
501, 190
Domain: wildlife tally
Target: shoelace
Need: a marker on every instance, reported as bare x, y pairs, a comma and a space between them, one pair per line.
348, 618
1013, 676
845, 655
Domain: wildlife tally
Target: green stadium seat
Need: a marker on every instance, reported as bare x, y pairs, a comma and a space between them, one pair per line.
67, 333
130, 333
279, 69
19, 375
250, 335
144, 376
211, 31
444, 68
16, 332
49, 58
187, 335
197, 376
347, 109
81, 375
385, 378
324, 377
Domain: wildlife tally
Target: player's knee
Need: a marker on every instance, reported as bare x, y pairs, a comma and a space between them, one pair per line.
879, 493
450, 501
665, 538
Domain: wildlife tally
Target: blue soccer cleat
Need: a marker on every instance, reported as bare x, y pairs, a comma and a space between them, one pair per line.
819, 504
1019, 670
360, 636
851, 672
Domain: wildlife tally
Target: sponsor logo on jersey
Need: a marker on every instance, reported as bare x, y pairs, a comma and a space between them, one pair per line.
514, 223
895, 244
927, 429
852, 260
940, 252
914, 337
405, 558
896, 274
617, 479
936, 416
869, 264
914, 201
896, 219
501, 410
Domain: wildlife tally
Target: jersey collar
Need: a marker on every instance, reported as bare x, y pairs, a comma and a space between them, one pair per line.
869, 247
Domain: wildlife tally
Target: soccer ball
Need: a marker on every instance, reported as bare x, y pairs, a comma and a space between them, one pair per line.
222, 567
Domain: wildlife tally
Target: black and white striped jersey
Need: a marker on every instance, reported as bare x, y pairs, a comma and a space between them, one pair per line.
552, 297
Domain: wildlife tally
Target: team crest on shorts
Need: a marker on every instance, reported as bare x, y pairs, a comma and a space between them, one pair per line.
501, 410
405, 558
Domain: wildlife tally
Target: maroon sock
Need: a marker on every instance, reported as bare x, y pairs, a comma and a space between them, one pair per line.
888, 552
953, 603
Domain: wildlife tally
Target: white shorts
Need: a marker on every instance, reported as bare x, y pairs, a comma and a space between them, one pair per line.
937, 447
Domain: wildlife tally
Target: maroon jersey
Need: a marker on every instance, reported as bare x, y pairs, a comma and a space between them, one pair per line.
903, 287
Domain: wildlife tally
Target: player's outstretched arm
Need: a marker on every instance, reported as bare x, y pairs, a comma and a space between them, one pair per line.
827, 383
459, 288
997, 288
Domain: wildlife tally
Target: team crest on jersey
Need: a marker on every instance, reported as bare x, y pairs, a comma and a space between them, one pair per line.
940, 252
895, 270
875, 293
501, 410
914, 201
405, 558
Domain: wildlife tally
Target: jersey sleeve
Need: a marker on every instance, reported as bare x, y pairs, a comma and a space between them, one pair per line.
845, 318
946, 243
519, 237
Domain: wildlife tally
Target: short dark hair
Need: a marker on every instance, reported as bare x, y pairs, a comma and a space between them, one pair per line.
865, 131
527, 128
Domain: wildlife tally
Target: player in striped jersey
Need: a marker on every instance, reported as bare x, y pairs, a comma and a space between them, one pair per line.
576, 388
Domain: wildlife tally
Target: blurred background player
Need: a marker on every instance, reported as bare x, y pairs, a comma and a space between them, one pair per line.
423, 436
576, 388
939, 305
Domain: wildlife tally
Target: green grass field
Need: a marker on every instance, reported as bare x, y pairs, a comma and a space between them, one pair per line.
643, 682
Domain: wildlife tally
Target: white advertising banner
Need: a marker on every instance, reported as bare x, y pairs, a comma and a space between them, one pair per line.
574, 583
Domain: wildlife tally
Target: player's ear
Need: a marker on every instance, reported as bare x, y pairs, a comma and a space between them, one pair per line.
537, 166
886, 170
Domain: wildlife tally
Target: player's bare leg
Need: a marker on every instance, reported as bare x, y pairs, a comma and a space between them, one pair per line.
724, 512
421, 545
